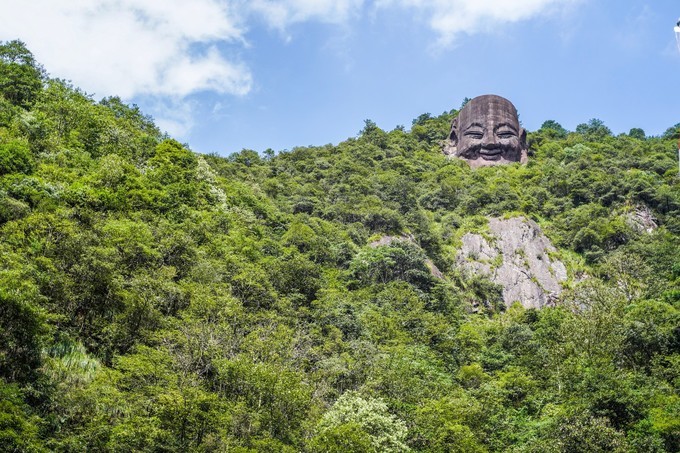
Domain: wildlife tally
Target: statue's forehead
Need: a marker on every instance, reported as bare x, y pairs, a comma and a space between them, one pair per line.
488, 109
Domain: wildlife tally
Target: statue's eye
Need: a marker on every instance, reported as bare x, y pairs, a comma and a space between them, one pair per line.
475, 135
506, 135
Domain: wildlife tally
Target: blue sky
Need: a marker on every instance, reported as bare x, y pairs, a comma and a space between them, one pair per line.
223, 75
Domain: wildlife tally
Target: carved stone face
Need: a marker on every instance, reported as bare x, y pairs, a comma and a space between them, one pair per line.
487, 132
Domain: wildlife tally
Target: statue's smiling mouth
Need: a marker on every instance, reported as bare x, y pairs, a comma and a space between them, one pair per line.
493, 152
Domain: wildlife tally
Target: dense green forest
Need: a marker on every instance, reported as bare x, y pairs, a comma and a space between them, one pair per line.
155, 299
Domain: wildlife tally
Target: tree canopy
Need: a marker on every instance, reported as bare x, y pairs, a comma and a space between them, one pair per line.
155, 299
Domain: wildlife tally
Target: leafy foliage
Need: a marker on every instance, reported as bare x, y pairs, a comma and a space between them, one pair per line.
153, 299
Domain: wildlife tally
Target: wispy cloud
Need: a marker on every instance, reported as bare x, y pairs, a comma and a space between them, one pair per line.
451, 18
281, 14
174, 116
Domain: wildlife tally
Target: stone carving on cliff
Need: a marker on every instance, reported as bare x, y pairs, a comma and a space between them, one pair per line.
487, 132
516, 255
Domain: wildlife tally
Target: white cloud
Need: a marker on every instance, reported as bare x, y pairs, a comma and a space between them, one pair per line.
450, 18
168, 49
282, 13
151, 47
130, 47
174, 116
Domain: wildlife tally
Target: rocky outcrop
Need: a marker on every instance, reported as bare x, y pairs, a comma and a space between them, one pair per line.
516, 255
641, 219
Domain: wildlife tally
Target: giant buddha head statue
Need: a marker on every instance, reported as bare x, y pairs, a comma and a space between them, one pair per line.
487, 132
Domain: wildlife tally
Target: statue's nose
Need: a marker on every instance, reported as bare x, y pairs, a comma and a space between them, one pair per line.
489, 140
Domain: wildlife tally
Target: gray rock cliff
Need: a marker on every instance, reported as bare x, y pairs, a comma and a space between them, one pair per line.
516, 255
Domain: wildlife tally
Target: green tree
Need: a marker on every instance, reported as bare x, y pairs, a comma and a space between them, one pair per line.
21, 77
18, 428
15, 157
364, 419
23, 326
638, 133
593, 130
553, 129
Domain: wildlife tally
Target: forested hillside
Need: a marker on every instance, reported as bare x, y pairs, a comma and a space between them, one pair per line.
155, 299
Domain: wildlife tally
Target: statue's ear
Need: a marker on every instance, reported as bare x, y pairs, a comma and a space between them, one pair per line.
523, 138
524, 148
453, 135
450, 145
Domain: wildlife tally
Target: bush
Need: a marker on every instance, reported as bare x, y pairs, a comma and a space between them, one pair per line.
15, 157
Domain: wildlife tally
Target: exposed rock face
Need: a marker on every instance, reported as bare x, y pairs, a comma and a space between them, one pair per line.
515, 256
641, 219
